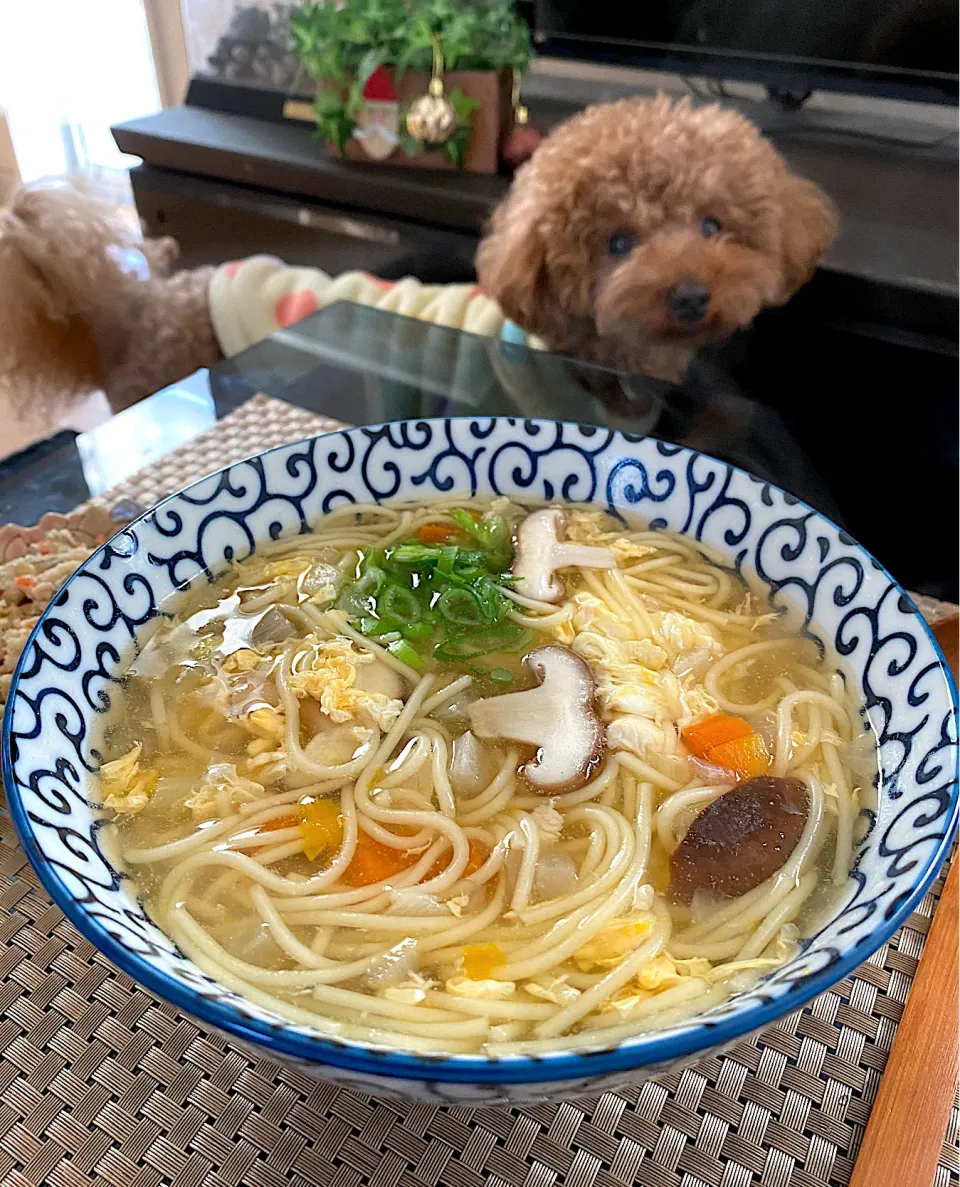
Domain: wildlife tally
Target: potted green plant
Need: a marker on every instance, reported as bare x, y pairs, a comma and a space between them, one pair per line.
448, 65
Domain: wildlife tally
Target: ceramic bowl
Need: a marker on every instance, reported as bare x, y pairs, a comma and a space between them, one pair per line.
830, 585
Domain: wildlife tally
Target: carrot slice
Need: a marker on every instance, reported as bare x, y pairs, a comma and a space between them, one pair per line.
704, 736
478, 855
436, 533
747, 756
373, 861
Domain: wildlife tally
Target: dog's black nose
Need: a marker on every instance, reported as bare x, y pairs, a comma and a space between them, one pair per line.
688, 300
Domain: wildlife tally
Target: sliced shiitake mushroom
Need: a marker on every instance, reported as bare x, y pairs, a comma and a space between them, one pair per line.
740, 839
541, 552
559, 717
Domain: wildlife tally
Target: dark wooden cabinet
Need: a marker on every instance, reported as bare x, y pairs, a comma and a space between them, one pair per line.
216, 221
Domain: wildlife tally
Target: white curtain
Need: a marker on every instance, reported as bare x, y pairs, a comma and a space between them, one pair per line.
68, 70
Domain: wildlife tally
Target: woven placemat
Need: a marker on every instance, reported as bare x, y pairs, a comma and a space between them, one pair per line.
101, 1082
258, 424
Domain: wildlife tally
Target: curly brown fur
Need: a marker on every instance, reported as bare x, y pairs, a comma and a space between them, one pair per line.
654, 169
86, 305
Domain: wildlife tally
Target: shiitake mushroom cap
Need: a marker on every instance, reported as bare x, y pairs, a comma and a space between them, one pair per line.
741, 838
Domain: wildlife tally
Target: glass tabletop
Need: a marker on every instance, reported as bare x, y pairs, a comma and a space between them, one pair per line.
364, 366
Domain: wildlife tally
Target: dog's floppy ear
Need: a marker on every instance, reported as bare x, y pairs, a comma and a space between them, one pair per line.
510, 261
810, 225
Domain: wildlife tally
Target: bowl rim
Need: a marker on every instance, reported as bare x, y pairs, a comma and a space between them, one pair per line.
282, 1039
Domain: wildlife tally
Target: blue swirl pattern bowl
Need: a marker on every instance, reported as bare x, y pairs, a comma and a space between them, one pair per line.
88, 636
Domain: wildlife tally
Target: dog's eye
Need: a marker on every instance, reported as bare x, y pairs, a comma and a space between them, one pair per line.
622, 243
709, 227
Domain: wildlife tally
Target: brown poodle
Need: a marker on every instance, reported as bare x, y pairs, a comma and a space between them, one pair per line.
638, 232
644, 229
86, 305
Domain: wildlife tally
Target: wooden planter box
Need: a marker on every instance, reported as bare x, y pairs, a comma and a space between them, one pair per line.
491, 122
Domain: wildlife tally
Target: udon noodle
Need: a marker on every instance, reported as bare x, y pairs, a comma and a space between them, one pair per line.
322, 803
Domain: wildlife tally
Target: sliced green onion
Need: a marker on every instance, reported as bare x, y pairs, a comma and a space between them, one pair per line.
370, 625
372, 561
496, 605
402, 651
470, 564
415, 555
399, 603
524, 639
505, 637
491, 531
463, 519
424, 591
447, 559
461, 606
500, 676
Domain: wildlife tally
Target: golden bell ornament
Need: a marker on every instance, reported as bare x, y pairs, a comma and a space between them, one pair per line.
432, 119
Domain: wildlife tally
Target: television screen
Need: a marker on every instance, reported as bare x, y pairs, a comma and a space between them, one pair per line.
888, 43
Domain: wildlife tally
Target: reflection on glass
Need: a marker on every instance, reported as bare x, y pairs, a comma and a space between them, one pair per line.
364, 366
140, 435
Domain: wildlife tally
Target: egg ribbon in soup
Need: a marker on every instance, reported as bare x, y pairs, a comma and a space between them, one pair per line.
484, 778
